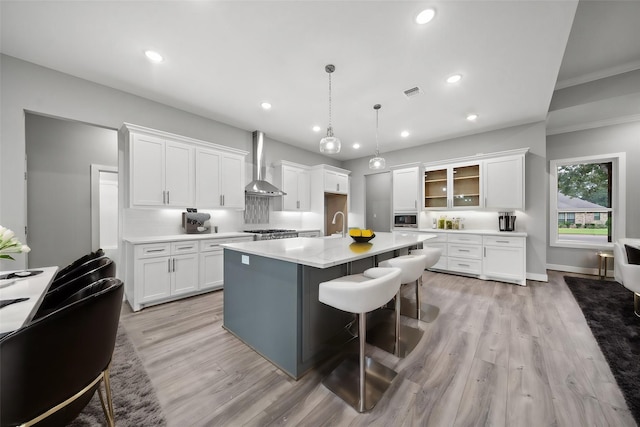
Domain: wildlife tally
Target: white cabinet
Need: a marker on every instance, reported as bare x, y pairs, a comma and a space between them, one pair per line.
161, 172
295, 181
503, 182
336, 182
166, 271
504, 258
485, 256
406, 190
464, 253
453, 186
219, 179
212, 262
161, 169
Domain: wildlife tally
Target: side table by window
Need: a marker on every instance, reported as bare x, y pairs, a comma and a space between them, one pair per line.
602, 263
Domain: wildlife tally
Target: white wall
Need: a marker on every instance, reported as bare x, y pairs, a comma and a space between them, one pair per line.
532, 220
25, 86
603, 140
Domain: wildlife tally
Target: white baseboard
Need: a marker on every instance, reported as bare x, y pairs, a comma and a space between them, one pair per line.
579, 270
537, 277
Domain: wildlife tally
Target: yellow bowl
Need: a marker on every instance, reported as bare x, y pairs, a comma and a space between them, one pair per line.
360, 239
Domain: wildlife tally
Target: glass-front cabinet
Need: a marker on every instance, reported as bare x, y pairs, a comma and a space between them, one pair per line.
455, 186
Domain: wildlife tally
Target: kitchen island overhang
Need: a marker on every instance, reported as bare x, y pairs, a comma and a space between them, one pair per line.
271, 293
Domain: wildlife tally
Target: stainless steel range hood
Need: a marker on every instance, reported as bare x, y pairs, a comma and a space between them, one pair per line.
260, 187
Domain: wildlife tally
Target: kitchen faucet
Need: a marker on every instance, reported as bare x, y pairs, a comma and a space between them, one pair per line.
344, 223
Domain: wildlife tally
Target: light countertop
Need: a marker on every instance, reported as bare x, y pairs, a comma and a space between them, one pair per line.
329, 251
181, 237
486, 232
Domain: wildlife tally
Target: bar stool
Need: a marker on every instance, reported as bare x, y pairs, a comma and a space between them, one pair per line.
404, 338
419, 310
360, 385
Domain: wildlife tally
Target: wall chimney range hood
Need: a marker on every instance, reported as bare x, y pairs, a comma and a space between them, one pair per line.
260, 187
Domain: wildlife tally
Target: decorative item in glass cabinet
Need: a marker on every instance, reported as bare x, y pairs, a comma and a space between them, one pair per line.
377, 162
330, 144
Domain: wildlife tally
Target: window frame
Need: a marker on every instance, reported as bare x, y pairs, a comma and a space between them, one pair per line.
618, 200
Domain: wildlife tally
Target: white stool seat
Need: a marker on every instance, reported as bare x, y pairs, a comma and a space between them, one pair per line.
432, 255
412, 266
361, 293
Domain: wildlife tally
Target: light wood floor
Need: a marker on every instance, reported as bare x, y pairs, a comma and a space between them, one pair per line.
498, 354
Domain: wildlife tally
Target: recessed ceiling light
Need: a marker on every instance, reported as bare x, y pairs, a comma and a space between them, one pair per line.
266, 106
316, 128
153, 56
472, 117
455, 78
425, 16
404, 133
356, 145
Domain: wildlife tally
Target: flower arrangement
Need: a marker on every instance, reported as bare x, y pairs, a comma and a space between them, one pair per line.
10, 245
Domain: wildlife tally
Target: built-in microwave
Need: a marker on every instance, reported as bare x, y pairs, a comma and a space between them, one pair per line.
405, 220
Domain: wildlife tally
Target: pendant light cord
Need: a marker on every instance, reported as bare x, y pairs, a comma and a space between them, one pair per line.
330, 130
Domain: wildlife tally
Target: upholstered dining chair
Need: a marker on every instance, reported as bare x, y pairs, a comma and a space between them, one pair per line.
91, 271
60, 275
626, 268
51, 368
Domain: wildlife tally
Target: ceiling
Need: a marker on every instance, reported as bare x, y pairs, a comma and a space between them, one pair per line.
224, 58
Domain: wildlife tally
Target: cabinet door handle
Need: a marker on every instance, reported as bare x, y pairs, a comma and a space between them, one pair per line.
485, 252
463, 265
338, 186
485, 202
463, 250
415, 204
168, 202
502, 241
174, 265
164, 197
298, 204
169, 265
223, 200
220, 197
155, 250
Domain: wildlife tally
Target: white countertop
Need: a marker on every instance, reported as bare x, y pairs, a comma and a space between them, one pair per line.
330, 251
180, 237
486, 232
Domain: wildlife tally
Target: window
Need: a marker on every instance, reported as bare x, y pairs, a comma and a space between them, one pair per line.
587, 201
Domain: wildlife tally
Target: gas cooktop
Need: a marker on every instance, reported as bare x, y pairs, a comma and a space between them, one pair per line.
270, 231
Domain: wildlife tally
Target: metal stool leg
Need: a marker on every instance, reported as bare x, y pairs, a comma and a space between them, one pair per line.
362, 330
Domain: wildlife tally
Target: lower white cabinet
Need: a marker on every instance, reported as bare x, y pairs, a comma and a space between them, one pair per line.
166, 271
504, 258
485, 256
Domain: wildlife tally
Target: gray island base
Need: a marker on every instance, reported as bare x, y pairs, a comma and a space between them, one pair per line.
271, 293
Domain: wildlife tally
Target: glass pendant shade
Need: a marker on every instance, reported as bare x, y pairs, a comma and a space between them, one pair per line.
330, 144
377, 162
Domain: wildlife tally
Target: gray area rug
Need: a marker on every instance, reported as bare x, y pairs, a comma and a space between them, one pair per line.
134, 399
608, 308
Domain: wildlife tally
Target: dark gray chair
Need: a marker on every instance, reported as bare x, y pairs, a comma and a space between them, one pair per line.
51, 368
60, 276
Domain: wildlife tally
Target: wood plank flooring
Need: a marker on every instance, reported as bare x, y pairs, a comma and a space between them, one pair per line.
498, 355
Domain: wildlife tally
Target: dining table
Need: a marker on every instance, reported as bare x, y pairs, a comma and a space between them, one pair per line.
21, 293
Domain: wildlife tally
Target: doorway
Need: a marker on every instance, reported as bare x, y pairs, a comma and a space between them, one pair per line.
378, 201
104, 209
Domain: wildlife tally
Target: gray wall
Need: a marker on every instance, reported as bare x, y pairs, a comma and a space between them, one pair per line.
591, 142
59, 158
531, 135
28, 87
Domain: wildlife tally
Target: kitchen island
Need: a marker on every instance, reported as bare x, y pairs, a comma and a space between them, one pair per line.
271, 293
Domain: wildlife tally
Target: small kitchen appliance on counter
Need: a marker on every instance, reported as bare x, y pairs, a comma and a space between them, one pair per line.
195, 223
507, 221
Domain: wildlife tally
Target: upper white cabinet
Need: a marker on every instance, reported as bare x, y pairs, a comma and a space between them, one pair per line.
503, 181
161, 172
491, 181
453, 186
167, 170
294, 180
406, 189
219, 179
336, 182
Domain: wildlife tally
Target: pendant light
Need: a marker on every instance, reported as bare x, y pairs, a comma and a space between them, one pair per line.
330, 144
377, 162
